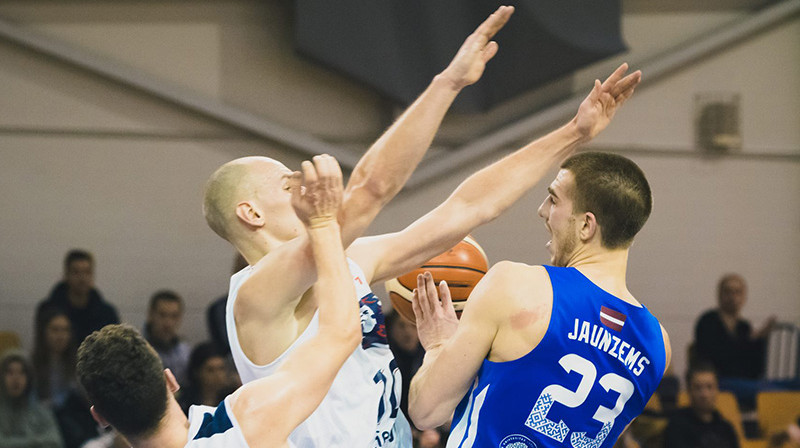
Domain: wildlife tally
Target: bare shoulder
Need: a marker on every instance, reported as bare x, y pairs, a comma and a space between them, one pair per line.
517, 278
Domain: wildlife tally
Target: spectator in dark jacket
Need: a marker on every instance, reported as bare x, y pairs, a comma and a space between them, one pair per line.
78, 298
700, 425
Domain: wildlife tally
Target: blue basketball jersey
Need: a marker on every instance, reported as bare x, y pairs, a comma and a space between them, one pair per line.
593, 372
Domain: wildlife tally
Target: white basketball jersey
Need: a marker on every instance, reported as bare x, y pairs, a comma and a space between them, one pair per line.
362, 407
214, 427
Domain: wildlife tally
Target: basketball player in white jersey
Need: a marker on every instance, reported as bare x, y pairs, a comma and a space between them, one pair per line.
276, 295
130, 389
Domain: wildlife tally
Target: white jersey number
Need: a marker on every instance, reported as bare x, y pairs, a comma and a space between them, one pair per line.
555, 393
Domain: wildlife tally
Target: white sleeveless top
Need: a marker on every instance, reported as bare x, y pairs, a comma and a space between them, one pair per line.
361, 409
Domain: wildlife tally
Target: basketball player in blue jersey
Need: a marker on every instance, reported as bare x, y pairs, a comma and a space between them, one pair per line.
548, 356
130, 389
272, 303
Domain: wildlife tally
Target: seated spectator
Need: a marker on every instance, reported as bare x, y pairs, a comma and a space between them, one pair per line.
164, 317
54, 358
789, 438
78, 298
215, 314
408, 352
24, 422
725, 339
209, 378
700, 425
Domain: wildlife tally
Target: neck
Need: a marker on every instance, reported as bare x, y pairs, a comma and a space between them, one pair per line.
729, 315
606, 268
78, 300
255, 245
173, 431
704, 416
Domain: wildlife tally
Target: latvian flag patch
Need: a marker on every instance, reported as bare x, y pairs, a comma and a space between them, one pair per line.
612, 319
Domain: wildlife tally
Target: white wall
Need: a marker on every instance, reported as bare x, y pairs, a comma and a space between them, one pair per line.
87, 163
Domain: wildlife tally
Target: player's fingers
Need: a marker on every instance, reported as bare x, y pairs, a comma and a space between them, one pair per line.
626, 83
594, 95
425, 301
612, 80
415, 305
489, 51
309, 173
494, 22
433, 294
444, 293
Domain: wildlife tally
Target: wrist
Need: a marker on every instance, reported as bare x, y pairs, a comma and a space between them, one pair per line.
445, 81
576, 133
322, 222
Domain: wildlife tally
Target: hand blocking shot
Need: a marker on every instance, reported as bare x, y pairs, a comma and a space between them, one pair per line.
130, 390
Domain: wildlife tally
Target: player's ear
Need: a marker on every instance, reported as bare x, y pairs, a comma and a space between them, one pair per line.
98, 418
172, 383
589, 227
249, 214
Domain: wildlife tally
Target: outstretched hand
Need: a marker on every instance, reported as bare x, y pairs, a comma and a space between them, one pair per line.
468, 64
436, 320
597, 110
317, 191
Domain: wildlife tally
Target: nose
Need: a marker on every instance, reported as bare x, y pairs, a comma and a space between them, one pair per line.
541, 210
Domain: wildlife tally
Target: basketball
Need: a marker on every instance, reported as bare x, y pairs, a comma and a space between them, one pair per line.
461, 267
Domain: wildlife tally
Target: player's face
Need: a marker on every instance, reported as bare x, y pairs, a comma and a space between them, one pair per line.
80, 276
703, 391
58, 334
15, 379
556, 210
270, 182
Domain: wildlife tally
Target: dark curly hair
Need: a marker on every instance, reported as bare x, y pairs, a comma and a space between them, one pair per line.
615, 190
124, 379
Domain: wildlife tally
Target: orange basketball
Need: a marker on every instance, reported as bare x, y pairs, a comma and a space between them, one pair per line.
461, 267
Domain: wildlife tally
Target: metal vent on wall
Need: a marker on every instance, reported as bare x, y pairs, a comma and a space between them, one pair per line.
717, 127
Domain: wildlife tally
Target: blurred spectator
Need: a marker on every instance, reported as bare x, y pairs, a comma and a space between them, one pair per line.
209, 378
408, 352
789, 438
700, 425
78, 298
215, 314
164, 317
24, 422
54, 357
728, 341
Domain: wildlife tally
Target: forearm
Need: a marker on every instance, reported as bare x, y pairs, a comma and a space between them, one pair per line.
429, 406
334, 288
493, 189
387, 165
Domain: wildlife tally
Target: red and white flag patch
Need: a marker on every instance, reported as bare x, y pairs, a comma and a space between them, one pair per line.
612, 319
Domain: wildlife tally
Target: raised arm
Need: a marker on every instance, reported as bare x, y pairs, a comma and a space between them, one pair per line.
387, 165
490, 191
288, 271
270, 408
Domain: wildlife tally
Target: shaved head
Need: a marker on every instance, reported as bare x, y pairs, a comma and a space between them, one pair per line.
229, 185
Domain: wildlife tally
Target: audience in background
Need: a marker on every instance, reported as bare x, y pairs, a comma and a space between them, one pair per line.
728, 342
700, 425
78, 298
408, 353
725, 339
164, 316
24, 422
215, 314
53, 358
210, 378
